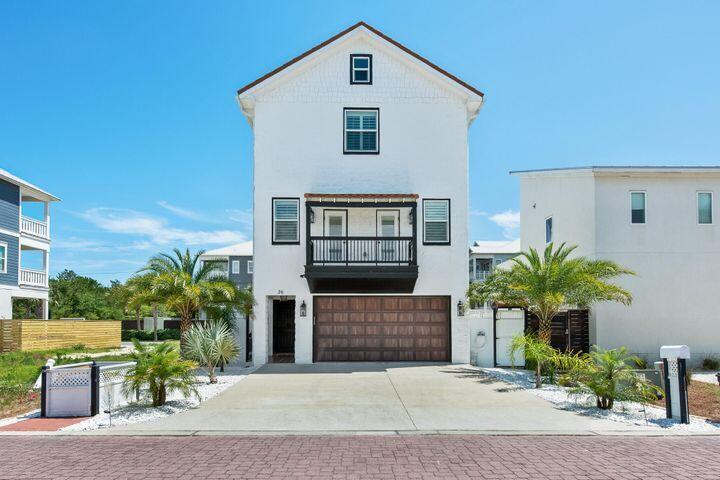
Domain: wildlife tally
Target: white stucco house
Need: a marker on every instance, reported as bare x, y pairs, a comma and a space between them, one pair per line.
660, 222
360, 204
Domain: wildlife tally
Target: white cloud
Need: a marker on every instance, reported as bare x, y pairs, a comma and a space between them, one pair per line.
180, 212
509, 220
477, 213
155, 230
244, 217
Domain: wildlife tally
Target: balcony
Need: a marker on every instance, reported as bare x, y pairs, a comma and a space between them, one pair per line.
361, 244
33, 278
34, 227
480, 275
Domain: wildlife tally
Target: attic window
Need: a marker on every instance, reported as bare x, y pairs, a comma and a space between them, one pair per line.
360, 69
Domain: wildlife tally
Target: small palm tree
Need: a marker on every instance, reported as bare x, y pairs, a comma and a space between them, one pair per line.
211, 345
545, 283
542, 355
186, 287
609, 376
161, 370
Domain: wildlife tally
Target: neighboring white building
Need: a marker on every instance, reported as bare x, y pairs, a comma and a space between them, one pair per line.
660, 222
360, 204
485, 255
24, 243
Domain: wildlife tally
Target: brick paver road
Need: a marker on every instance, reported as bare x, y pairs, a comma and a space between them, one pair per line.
431, 456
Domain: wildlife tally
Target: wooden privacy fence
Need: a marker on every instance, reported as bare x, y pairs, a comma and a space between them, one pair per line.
570, 330
27, 335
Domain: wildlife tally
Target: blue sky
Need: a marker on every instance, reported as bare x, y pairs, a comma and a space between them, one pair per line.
126, 109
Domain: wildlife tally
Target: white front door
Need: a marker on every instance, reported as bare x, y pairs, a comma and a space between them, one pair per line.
388, 225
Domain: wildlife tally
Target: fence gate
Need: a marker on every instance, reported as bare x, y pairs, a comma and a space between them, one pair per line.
508, 323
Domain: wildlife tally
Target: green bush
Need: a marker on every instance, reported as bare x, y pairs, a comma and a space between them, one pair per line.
541, 357
144, 336
211, 345
711, 363
640, 363
608, 374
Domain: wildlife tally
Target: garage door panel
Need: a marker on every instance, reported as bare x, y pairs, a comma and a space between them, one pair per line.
390, 329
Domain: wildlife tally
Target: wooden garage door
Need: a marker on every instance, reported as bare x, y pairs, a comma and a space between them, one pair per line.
387, 329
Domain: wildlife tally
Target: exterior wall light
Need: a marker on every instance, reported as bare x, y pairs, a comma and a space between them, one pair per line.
460, 308
303, 309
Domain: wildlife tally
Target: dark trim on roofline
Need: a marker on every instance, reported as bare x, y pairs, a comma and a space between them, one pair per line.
346, 31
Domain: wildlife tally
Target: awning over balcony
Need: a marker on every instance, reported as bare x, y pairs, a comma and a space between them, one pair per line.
370, 198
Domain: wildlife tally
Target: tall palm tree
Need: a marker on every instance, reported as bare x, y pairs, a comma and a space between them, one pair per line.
545, 283
185, 286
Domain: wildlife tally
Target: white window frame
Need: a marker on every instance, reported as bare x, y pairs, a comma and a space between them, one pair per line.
4, 246
552, 229
235, 267
361, 130
296, 219
250, 267
712, 207
645, 196
353, 81
425, 221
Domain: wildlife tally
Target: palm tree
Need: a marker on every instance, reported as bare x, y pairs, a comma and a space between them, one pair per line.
186, 287
544, 284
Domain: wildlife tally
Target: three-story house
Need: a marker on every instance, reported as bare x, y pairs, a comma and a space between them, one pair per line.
24, 243
360, 204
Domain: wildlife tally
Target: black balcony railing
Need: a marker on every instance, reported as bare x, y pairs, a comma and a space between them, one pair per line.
362, 251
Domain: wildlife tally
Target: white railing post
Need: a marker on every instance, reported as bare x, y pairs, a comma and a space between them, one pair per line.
34, 227
33, 278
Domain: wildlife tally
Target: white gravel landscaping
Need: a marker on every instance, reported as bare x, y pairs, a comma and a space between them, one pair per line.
144, 411
626, 412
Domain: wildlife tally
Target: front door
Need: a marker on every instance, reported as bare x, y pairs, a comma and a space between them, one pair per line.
283, 330
388, 226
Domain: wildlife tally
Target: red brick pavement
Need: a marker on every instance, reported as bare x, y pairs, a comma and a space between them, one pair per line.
41, 424
360, 457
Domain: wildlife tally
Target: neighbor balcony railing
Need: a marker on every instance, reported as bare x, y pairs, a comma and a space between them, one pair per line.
481, 275
33, 278
362, 251
34, 227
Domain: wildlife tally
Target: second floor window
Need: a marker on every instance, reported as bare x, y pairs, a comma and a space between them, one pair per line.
250, 267
361, 69
361, 131
704, 203
436, 222
548, 230
235, 267
286, 220
637, 207
3, 258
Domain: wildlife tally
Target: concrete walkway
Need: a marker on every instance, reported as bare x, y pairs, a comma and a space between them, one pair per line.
351, 398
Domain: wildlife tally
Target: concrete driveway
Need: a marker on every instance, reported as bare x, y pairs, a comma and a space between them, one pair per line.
378, 398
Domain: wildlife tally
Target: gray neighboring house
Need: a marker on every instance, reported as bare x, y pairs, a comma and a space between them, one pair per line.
486, 255
236, 261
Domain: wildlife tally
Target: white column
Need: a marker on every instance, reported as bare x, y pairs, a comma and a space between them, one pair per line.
46, 267
46, 313
46, 211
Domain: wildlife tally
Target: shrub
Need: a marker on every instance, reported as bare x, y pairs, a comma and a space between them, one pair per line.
144, 336
608, 375
161, 370
640, 363
211, 345
711, 363
543, 358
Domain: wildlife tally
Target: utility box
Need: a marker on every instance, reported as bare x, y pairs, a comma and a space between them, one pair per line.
674, 359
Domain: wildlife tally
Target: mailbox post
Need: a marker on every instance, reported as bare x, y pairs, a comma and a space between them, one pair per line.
676, 388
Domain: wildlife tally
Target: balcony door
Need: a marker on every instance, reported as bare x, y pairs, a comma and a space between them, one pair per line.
335, 225
388, 226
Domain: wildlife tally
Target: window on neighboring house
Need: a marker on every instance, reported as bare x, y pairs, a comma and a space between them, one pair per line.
250, 267
3, 257
235, 267
436, 222
361, 69
286, 220
637, 206
361, 131
704, 204
548, 229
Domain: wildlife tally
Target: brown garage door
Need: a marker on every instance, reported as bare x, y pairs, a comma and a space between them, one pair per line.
388, 329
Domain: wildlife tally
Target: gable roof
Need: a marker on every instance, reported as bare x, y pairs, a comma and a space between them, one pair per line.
379, 34
496, 246
29, 187
244, 249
